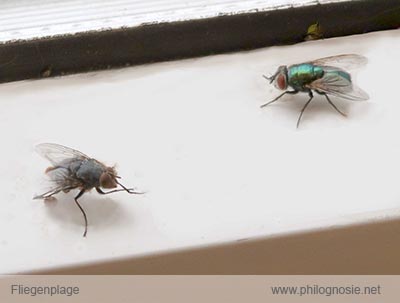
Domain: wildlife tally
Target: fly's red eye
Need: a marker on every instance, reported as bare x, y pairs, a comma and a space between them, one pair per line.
107, 181
281, 81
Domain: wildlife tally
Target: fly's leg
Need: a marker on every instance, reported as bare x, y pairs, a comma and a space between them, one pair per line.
268, 78
129, 190
281, 95
80, 207
304, 107
333, 105
47, 195
52, 192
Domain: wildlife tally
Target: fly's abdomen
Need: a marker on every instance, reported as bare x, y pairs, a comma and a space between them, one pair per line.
338, 72
302, 74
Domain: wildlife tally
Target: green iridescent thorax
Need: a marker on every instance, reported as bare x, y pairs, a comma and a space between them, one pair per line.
302, 74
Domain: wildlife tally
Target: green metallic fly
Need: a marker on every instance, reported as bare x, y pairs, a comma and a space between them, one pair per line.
325, 76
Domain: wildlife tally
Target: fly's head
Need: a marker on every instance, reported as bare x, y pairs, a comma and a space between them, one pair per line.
108, 178
279, 78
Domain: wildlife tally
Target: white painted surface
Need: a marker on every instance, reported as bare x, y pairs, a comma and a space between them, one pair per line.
215, 166
30, 19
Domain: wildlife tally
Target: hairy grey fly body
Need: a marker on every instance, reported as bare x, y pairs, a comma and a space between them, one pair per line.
72, 169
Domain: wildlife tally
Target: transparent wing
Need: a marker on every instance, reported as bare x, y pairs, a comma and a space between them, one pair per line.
56, 153
334, 83
60, 181
346, 62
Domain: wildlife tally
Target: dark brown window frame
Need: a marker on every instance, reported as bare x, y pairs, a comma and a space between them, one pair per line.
97, 50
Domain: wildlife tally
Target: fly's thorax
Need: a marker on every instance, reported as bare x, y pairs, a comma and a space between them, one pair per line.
300, 75
89, 172
280, 78
73, 164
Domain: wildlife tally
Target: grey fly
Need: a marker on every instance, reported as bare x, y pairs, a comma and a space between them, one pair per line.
72, 169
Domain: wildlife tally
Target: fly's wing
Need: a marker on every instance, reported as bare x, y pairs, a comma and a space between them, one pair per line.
335, 83
61, 180
56, 153
346, 62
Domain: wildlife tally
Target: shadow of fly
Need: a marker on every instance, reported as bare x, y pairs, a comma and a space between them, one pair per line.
72, 169
325, 76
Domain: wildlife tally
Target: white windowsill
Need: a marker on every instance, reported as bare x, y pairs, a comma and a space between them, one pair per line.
215, 166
